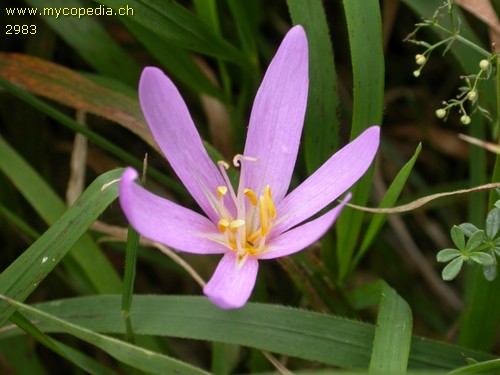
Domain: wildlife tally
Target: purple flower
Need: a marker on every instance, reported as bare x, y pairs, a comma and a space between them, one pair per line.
258, 220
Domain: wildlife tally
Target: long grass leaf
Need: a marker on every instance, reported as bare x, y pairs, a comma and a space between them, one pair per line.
28, 270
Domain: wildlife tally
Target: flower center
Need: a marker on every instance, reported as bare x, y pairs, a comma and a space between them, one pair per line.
246, 233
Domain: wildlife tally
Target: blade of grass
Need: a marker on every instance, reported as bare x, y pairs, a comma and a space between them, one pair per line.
391, 346
30, 268
365, 39
389, 200
178, 61
322, 123
283, 330
180, 27
79, 359
126, 353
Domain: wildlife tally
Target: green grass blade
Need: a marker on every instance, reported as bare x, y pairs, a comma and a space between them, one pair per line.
367, 58
391, 346
487, 367
74, 356
91, 41
131, 355
96, 267
180, 27
297, 333
28, 270
389, 200
129, 279
178, 61
322, 123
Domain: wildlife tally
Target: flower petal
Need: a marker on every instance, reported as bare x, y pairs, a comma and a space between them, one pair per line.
166, 222
278, 117
332, 179
174, 131
302, 236
231, 285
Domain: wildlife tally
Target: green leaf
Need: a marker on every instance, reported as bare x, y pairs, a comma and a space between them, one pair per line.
388, 200
446, 255
452, 269
367, 57
482, 258
475, 240
458, 237
79, 359
391, 346
321, 129
178, 61
278, 329
96, 267
493, 223
30, 268
468, 229
137, 357
89, 39
176, 25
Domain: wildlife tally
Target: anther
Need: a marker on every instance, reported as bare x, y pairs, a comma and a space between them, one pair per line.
251, 196
264, 217
271, 209
235, 224
223, 224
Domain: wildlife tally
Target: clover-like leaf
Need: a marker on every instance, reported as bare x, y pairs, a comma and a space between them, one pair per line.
452, 269
493, 223
490, 272
446, 255
484, 259
458, 237
468, 229
475, 241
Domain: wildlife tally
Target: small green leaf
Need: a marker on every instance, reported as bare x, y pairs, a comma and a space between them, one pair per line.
468, 229
446, 255
475, 240
482, 258
452, 269
458, 237
493, 223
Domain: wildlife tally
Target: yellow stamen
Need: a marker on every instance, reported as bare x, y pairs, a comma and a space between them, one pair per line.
221, 191
254, 237
264, 217
223, 224
271, 209
235, 224
251, 196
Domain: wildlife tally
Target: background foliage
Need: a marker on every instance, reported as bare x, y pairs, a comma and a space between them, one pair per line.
79, 294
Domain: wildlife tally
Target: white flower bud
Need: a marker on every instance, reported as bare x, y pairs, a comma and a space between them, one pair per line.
472, 95
416, 73
465, 120
484, 64
441, 113
420, 59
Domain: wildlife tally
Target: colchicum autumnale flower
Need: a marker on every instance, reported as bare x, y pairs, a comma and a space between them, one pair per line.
258, 220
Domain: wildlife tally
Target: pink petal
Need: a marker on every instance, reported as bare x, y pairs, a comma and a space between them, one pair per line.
278, 117
166, 222
174, 131
302, 236
231, 285
332, 179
